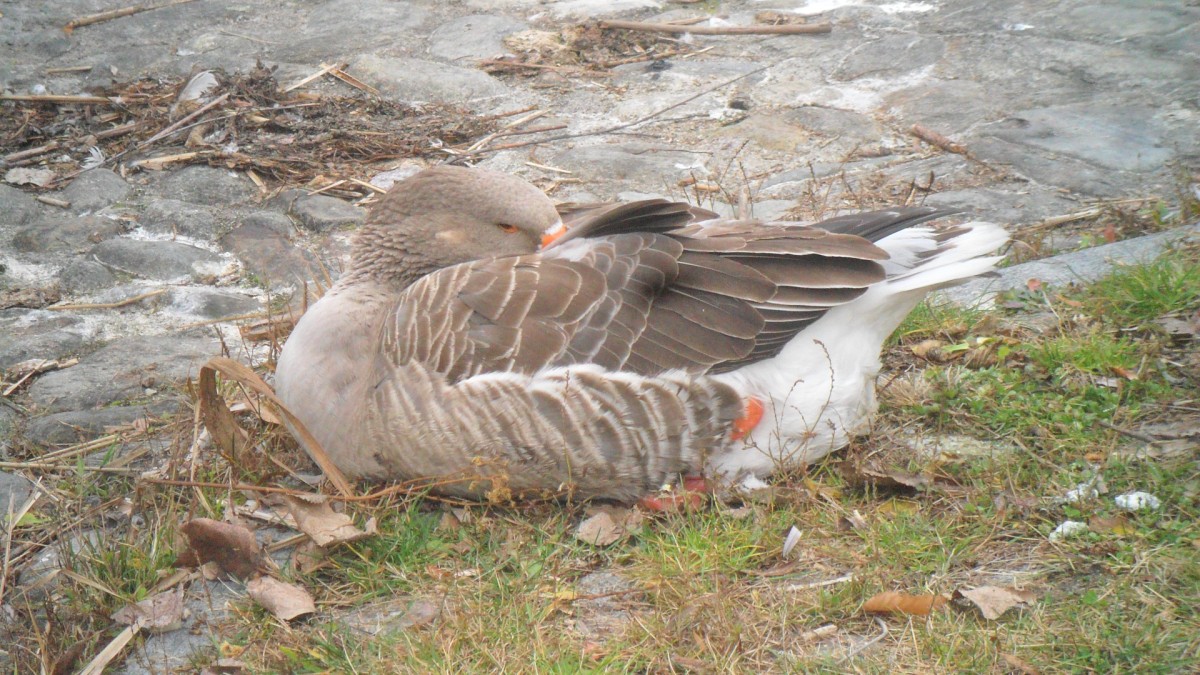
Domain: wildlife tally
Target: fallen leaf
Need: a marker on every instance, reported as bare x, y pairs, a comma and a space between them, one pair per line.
897, 507
231, 547
1181, 329
1125, 373
894, 602
993, 601
830, 493
1020, 664
224, 666
881, 477
26, 176
159, 613
316, 518
1034, 285
448, 522
308, 557
286, 601
608, 526
419, 613
690, 665
819, 633
1117, 524
438, 573
854, 521
740, 513
931, 350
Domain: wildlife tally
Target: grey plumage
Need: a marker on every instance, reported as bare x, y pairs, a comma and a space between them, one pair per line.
588, 367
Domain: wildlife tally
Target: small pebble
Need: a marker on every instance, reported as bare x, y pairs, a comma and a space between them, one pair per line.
1068, 528
1137, 501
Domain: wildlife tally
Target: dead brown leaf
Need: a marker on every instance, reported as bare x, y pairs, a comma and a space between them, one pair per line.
232, 547
1020, 665
1181, 329
224, 666
608, 526
860, 475
286, 601
993, 601
1116, 524
159, 613
30, 298
316, 518
309, 557
894, 602
1124, 372
931, 350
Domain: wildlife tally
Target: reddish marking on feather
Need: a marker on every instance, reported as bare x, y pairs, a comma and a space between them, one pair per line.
746, 423
689, 497
686, 501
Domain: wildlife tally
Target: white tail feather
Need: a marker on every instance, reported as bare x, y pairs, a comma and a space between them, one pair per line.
821, 388
919, 262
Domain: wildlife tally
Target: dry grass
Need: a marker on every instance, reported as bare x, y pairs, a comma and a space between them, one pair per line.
509, 588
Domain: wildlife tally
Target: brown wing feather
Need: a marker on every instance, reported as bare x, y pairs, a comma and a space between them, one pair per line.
641, 287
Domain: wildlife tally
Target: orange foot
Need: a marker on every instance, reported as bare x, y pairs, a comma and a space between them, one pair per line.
690, 496
750, 419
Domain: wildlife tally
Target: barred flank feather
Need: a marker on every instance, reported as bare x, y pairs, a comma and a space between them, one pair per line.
455, 349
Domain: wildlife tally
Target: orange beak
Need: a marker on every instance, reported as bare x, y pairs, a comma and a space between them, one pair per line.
552, 233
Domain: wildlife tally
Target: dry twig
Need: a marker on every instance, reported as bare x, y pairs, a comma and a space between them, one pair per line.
116, 14
935, 139
53, 98
109, 305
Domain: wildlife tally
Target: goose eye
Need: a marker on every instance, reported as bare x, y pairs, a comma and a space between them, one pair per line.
509, 229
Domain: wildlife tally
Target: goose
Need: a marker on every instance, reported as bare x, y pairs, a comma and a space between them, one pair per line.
485, 339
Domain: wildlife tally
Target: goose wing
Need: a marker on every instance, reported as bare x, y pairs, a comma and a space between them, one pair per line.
640, 287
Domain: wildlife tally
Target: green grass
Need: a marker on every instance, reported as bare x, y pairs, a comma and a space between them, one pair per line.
709, 591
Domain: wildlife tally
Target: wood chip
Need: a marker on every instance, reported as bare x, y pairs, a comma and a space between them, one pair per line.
934, 138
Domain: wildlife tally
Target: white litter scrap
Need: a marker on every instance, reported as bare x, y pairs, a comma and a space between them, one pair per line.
789, 543
1069, 528
1080, 493
1137, 501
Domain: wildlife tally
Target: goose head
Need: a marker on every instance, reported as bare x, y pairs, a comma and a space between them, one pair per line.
448, 215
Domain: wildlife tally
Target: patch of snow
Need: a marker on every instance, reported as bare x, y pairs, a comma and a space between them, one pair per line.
141, 234
28, 274
1080, 493
1137, 501
590, 8
865, 94
1068, 528
821, 6
812, 7
907, 7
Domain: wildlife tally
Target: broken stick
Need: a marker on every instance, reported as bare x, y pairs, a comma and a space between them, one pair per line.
116, 14
935, 139
53, 98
